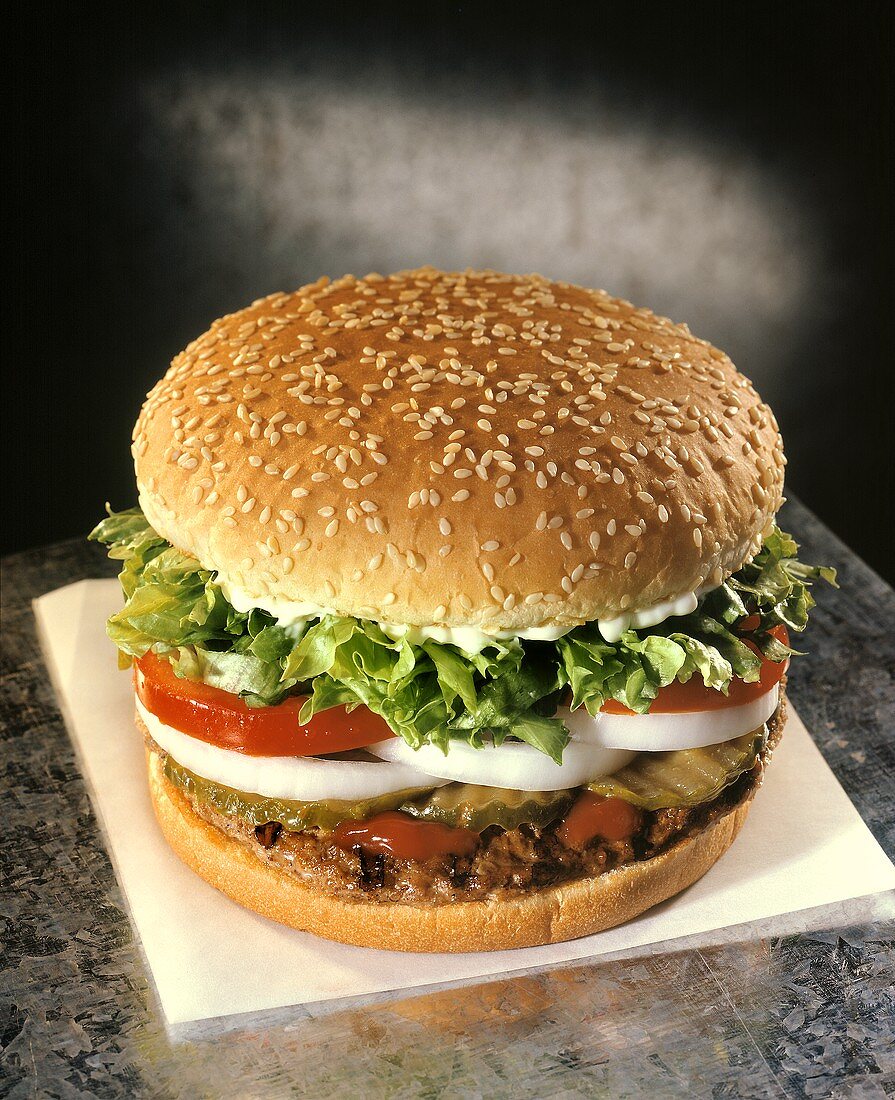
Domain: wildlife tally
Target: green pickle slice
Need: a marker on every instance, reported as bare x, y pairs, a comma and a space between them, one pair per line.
295, 816
468, 806
683, 777
652, 781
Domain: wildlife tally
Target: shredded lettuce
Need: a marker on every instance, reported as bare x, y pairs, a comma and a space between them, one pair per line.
434, 693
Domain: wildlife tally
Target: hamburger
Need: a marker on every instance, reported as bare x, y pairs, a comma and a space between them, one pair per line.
458, 615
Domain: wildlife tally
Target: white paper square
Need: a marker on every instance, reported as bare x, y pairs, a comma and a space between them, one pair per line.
803, 845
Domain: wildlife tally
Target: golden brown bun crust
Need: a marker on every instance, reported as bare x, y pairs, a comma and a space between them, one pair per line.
552, 915
466, 449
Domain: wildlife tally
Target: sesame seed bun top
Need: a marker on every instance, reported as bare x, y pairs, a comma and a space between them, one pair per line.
468, 448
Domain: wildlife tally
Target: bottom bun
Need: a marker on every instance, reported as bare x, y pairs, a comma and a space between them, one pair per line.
551, 915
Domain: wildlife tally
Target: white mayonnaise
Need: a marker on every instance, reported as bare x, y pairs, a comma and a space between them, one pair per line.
612, 629
471, 639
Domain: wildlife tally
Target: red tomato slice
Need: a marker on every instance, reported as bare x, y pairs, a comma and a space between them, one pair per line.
694, 695
225, 720
405, 837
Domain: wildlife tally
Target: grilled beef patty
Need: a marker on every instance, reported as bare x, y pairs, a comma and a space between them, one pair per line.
506, 862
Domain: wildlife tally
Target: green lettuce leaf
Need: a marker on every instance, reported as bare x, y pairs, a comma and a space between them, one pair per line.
435, 693
256, 680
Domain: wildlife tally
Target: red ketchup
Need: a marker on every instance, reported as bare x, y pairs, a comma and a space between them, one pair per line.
405, 837
593, 815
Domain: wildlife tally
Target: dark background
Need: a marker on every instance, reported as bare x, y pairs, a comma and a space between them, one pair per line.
726, 164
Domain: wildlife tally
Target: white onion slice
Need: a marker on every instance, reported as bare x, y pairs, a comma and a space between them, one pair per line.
514, 765
299, 778
663, 732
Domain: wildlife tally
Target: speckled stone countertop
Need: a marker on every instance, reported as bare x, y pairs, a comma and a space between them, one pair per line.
801, 1014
